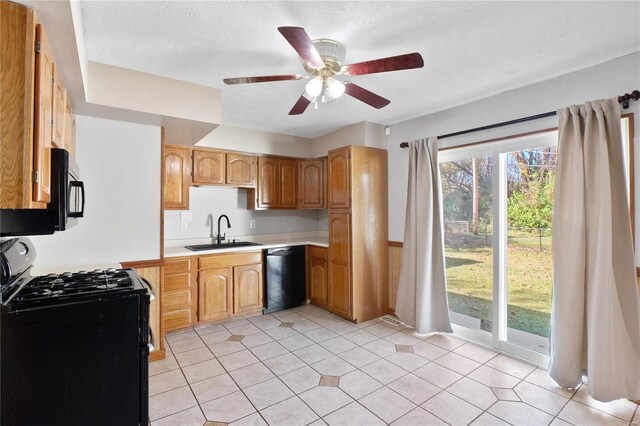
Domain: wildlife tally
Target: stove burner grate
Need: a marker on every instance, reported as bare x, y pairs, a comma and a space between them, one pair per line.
68, 284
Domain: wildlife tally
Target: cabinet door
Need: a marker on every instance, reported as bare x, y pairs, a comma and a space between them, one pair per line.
43, 120
288, 183
311, 187
59, 109
70, 130
339, 179
208, 167
215, 298
179, 293
247, 288
268, 179
177, 172
339, 289
340, 238
241, 170
318, 276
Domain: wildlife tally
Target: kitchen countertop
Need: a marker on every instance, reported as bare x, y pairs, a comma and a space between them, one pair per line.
267, 243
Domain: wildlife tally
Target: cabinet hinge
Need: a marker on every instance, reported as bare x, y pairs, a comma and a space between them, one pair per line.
35, 176
37, 46
51, 121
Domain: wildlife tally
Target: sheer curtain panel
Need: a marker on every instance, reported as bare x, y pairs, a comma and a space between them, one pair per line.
422, 292
595, 320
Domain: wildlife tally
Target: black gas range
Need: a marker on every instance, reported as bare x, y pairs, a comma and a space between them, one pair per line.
74, 347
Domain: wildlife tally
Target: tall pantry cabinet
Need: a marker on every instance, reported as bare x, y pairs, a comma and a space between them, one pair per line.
358, 233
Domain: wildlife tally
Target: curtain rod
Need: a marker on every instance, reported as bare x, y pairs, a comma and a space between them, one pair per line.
624, 100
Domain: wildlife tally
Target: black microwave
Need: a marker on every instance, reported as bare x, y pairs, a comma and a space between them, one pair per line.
62, 212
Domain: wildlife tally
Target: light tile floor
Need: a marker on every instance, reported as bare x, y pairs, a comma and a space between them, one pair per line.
306, 366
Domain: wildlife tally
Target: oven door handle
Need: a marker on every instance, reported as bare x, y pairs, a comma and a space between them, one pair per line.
151, 293
152, 340
77, 184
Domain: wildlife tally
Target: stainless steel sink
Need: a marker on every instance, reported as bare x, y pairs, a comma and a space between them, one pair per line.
225, 245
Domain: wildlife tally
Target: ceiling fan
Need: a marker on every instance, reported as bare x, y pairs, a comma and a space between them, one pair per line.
323, 59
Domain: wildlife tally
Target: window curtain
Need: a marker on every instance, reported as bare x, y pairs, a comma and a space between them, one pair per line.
595, 319
422, 292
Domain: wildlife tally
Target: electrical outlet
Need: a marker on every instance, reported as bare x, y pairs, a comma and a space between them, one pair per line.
252, 224
184, 226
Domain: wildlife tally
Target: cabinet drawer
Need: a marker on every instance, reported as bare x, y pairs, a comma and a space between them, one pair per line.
177, 265
176, 320
230, 259
319, 252
177, 300
177, 282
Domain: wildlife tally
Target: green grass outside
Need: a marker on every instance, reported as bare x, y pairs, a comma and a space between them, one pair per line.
470, 279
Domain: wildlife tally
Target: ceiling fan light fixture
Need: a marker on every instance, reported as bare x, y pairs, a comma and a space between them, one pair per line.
313, 88
335, 88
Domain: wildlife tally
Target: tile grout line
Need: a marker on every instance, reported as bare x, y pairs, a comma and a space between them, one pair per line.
359, 368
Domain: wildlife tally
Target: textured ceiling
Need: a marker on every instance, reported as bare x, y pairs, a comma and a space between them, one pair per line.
471, 50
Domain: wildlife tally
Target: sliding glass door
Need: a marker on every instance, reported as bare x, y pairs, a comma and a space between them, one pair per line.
497, 207
467, 193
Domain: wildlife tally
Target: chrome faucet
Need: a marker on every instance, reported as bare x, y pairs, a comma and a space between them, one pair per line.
220, 238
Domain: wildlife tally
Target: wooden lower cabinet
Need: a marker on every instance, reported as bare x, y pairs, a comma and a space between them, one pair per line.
340, 290
318, 276
206, 288
179, 293
247, 288
215, 294
153, 272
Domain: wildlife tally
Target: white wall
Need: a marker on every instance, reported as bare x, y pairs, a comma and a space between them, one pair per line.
350, 135
120, 165
606, 80
214, 201
124, 88
236, 138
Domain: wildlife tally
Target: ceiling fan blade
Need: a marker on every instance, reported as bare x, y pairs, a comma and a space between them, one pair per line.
261, 79
392, 63
300, 106
365, 96
300, 41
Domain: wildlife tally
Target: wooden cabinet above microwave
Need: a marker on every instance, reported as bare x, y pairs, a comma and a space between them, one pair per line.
33, 105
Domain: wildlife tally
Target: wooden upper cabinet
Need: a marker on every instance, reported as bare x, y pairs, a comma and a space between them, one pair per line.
177, 177
311, 184
288, 170
59, 109
247, 288
43, 120
215, 294
241, 170
268, 182
208, 167
277, 186
339, 179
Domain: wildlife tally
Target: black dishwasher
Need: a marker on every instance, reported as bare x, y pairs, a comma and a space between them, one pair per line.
286, 279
